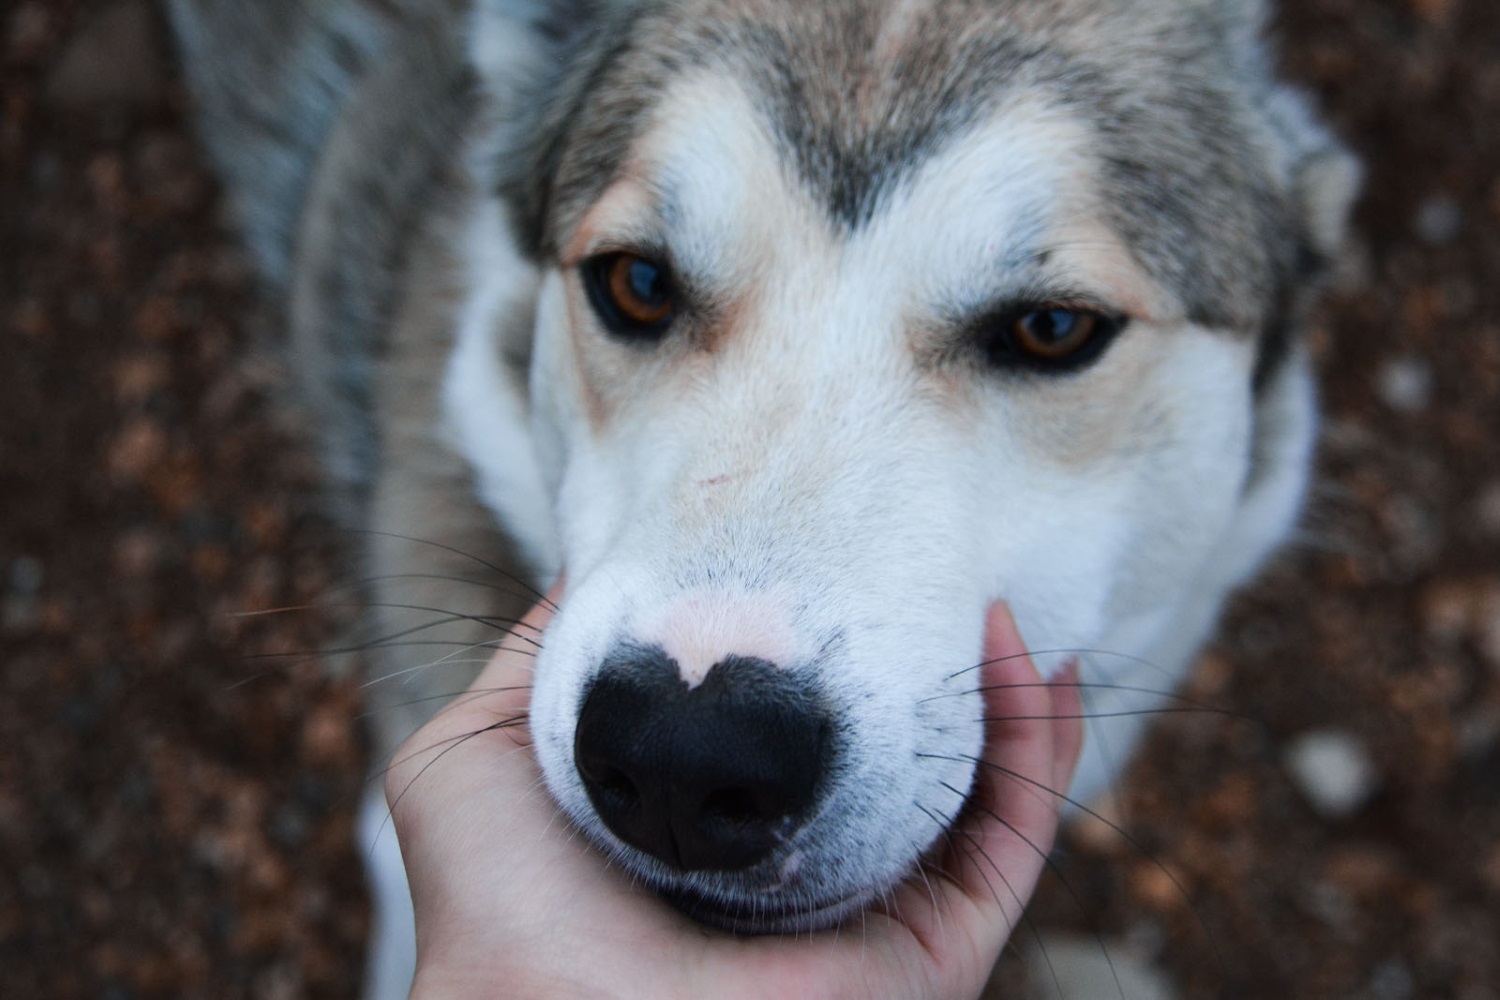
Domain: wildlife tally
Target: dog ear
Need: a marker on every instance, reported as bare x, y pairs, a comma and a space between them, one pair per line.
513, 43
1328, 183
1324, 177
535, 60
1308, 161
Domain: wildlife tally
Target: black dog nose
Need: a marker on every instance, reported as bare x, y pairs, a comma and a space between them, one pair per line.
705, 777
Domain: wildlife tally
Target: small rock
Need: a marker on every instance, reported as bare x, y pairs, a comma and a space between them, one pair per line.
113, 59
1392, 980
1487, 625
1479, 732
1076, 967
1434, 11
1448, 609
1097, 828
1487, 510
31, 28
1363, 870
1439, 220
25, 576
136, 449
1489, 869
1332, 770
1405, 384
20, 607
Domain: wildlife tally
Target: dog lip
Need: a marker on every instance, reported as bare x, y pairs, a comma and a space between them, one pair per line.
760, 916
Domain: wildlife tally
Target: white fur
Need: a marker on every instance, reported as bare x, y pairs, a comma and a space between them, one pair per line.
484, 408
810, 456
392, 959
813, 486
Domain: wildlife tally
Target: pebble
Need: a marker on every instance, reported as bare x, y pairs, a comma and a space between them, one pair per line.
1084, 968
1487, 626
1333, 771
1096, 829
1405, 384
1439, 220
112, 60
1487, 509
1392, 980
20, 606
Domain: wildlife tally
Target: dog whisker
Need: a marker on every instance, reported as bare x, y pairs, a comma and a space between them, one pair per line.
1069, 651
453, 744
455, 697
532, 591
391, 641
1050, 864
1121, 714
516, 589
500, 622
951, 831
1093, 686
1064, 799
451, 659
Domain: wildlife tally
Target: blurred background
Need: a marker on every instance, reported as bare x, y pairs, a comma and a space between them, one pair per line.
177, 781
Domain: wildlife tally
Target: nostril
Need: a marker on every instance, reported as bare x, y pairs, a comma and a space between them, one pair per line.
612, 784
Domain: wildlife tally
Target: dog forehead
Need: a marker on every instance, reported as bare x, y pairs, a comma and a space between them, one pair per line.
1009, 204
858, 95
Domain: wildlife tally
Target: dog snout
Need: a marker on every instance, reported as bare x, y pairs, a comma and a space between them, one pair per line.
712, 776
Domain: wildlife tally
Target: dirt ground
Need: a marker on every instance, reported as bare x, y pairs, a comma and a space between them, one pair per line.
176, 798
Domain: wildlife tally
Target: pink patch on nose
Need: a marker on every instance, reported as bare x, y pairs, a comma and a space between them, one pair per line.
699, 628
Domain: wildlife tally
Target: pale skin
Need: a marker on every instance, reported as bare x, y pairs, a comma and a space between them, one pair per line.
512, 902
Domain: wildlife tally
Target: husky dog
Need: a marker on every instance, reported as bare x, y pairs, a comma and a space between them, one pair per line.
796, 333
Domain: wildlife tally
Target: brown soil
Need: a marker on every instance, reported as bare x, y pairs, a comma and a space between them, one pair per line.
176, 803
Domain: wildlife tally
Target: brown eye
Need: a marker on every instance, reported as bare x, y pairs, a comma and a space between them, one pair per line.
1053, 334
633, 296
1052, 338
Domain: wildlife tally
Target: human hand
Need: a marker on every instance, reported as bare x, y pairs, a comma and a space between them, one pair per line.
511, 901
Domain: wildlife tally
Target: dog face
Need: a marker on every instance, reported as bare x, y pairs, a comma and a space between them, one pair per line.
842, 324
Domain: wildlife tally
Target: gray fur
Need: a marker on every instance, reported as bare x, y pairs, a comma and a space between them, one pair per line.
1182, 101
332, 122
346, 130
345, 115
339, 128
268, 78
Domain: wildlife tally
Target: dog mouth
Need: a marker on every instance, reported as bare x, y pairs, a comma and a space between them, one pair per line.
763, 916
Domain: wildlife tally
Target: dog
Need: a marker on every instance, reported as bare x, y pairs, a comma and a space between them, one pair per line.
796, 334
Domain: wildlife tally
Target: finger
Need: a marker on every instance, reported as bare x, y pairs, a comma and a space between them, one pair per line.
1067, 729
496, 701
1014, 807
504, 685
962, 913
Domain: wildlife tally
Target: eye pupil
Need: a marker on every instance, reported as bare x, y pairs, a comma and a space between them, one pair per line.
1055, 334
632, 295
1049, 337
645, 281
1052, 325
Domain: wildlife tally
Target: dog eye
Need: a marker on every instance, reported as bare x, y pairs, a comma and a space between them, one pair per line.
1051, 337
633, 296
